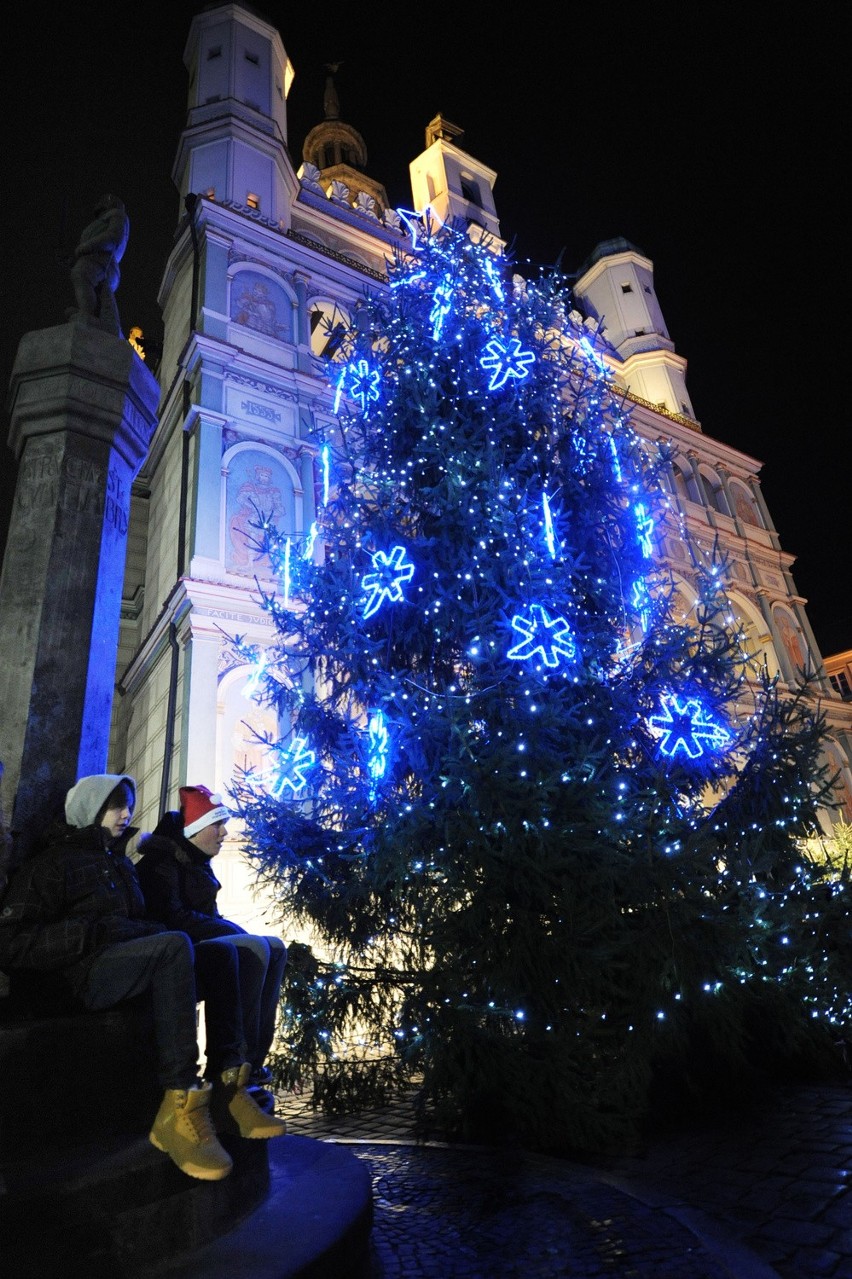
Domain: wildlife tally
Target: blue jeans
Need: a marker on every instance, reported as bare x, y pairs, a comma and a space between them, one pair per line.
262, 961
164, 965
219, 981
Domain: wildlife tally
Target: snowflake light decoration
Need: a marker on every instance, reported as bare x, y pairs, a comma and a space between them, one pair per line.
551, 638
291, 767
392, 570
506, 361
686, 726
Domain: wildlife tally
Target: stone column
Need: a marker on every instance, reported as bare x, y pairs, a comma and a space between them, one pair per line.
83, 410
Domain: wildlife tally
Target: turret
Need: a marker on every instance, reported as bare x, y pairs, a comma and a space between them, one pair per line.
616, 287
452, 183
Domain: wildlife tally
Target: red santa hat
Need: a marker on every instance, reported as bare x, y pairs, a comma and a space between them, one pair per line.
200, 808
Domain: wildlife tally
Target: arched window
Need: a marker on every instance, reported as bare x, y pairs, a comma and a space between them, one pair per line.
330, 331
684, 481
750, 622
715, 491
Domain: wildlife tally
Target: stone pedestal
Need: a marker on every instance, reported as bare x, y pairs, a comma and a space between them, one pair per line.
83, 409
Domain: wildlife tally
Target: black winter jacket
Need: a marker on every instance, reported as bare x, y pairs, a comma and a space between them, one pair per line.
179, 884
67, 902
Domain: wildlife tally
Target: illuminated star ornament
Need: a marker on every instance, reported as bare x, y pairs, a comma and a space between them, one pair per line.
290, 771
552, 639
506, 361
392, 570
363, 384
421, 223
685, 726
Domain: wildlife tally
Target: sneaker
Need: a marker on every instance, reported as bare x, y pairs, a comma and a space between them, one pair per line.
235, 1110
184, 1131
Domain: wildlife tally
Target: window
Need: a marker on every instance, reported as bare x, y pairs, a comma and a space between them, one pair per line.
627, 288
214, 52
330, 332
841, 684
252, 58
470, 191
252, 200
639, 332
647, 288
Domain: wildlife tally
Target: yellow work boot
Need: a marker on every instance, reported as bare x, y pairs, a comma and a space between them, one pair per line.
184, 1130
236, 1111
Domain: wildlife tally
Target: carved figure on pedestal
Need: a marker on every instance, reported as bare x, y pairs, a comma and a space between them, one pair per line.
95, 268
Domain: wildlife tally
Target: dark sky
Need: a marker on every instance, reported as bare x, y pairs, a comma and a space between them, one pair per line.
708, 135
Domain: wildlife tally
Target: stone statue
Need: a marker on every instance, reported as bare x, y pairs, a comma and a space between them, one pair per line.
95, 270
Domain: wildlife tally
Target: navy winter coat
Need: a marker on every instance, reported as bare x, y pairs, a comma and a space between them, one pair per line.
179, 885
66, 903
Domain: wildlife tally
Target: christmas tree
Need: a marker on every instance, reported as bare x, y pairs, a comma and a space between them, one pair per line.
542, 826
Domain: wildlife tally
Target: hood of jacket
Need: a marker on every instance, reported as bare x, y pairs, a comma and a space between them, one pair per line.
86, 799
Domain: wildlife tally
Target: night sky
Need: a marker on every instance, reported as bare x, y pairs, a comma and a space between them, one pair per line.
710, 136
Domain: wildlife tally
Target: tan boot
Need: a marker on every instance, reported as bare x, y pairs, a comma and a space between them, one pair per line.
183, 1129
236, 1111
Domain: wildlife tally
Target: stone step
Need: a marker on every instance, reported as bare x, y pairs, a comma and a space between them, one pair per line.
293, 1208
69, 1079
314, 1223
119, 1204
82, 1188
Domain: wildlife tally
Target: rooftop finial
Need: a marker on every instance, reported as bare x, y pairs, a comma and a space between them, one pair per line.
330, 102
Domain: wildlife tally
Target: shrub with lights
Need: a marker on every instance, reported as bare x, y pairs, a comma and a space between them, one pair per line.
544, 833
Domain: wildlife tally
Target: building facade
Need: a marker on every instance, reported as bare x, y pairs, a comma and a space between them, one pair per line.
267, 261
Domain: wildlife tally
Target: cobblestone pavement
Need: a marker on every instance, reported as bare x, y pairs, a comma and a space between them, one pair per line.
763, 1195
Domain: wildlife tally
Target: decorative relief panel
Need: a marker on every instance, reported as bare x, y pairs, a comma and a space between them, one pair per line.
258, 488
791, 637
260, 304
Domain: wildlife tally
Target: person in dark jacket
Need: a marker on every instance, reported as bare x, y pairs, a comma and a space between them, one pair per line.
74, 908
181, 891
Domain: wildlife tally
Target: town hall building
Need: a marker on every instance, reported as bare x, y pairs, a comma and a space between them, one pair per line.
269, 263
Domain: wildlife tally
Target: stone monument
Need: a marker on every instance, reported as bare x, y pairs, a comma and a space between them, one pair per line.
83, 409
